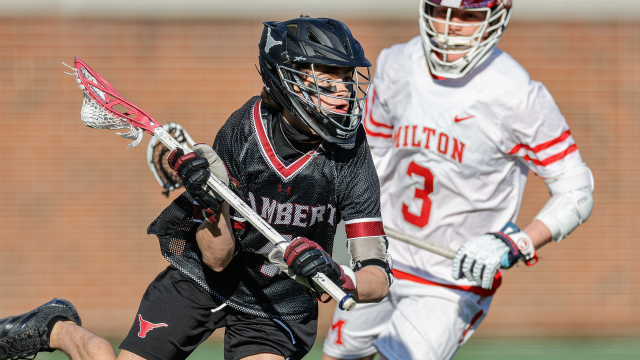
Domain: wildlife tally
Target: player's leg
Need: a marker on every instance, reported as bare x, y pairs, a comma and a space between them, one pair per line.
79, 343
352, 333
175, 316
54, 325
258, 338
430, 322
368, 357
264, 356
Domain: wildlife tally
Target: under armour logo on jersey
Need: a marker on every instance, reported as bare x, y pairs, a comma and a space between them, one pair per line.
457, 119
146, 326
271, 42
281, 189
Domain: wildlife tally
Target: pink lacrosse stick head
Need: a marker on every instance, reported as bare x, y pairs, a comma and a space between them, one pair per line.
107, 97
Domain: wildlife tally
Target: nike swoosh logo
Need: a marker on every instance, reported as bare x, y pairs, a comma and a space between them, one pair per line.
457, 119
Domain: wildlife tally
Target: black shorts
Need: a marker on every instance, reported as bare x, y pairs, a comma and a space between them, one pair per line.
175, 316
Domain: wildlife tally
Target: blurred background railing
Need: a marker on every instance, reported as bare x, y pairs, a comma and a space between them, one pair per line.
75, 204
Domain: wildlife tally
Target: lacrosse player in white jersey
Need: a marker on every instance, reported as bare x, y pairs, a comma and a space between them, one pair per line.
455, 125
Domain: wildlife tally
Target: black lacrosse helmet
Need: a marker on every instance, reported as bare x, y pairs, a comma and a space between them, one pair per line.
289, 47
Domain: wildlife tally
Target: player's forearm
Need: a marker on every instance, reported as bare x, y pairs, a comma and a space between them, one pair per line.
216, 241
372, 285
539, 233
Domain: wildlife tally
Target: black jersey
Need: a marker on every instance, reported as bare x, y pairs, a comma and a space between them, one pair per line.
306, 198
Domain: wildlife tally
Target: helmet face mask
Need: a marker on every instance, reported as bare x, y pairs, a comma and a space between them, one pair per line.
299, 60
440, 46
310, 94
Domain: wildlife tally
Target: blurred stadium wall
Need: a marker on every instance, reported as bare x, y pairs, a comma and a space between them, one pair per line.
75, 204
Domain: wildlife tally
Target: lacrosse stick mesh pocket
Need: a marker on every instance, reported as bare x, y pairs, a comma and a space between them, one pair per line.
94, 116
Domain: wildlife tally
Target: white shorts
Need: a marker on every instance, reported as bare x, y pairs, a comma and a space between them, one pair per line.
416, 321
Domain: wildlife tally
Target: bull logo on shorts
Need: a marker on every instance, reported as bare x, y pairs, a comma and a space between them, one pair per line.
146, 326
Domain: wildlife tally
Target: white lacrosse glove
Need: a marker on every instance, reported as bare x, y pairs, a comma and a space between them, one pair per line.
479, 259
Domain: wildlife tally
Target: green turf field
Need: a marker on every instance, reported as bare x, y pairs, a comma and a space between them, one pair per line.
480, 349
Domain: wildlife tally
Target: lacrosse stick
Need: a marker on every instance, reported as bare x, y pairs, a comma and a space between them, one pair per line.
99, 111
157, 155
510, 228
422, 244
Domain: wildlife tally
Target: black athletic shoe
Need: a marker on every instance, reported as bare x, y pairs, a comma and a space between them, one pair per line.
23, 336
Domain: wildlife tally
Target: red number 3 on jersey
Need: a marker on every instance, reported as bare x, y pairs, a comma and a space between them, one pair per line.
421, 219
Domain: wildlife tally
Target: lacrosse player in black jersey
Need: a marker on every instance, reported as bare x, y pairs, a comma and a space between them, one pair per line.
299, 157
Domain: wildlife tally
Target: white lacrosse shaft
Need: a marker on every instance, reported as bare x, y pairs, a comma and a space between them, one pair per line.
345, 301
419, 243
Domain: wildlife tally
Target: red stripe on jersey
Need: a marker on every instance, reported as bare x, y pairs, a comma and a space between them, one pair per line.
497, 281
375, 123
551, 159
364, 229
546, 145
473, 322
368, 118
370, 113
271, 154
375, 134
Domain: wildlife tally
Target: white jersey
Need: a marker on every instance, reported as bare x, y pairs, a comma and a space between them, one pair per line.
457, 152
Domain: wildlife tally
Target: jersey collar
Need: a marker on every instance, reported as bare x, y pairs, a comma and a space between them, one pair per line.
267, 149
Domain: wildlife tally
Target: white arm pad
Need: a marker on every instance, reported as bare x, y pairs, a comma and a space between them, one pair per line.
571, 201
371, 251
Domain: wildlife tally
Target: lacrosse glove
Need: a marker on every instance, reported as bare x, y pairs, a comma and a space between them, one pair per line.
479, 259
194, 169
306, 258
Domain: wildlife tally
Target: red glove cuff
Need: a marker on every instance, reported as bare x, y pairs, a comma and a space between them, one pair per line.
297, 247
176, 159
200, 214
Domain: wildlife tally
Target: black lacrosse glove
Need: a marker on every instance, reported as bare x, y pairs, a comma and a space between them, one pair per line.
194, 171
307, 258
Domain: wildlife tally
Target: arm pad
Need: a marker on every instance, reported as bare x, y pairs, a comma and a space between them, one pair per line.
371, 251
571, 201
